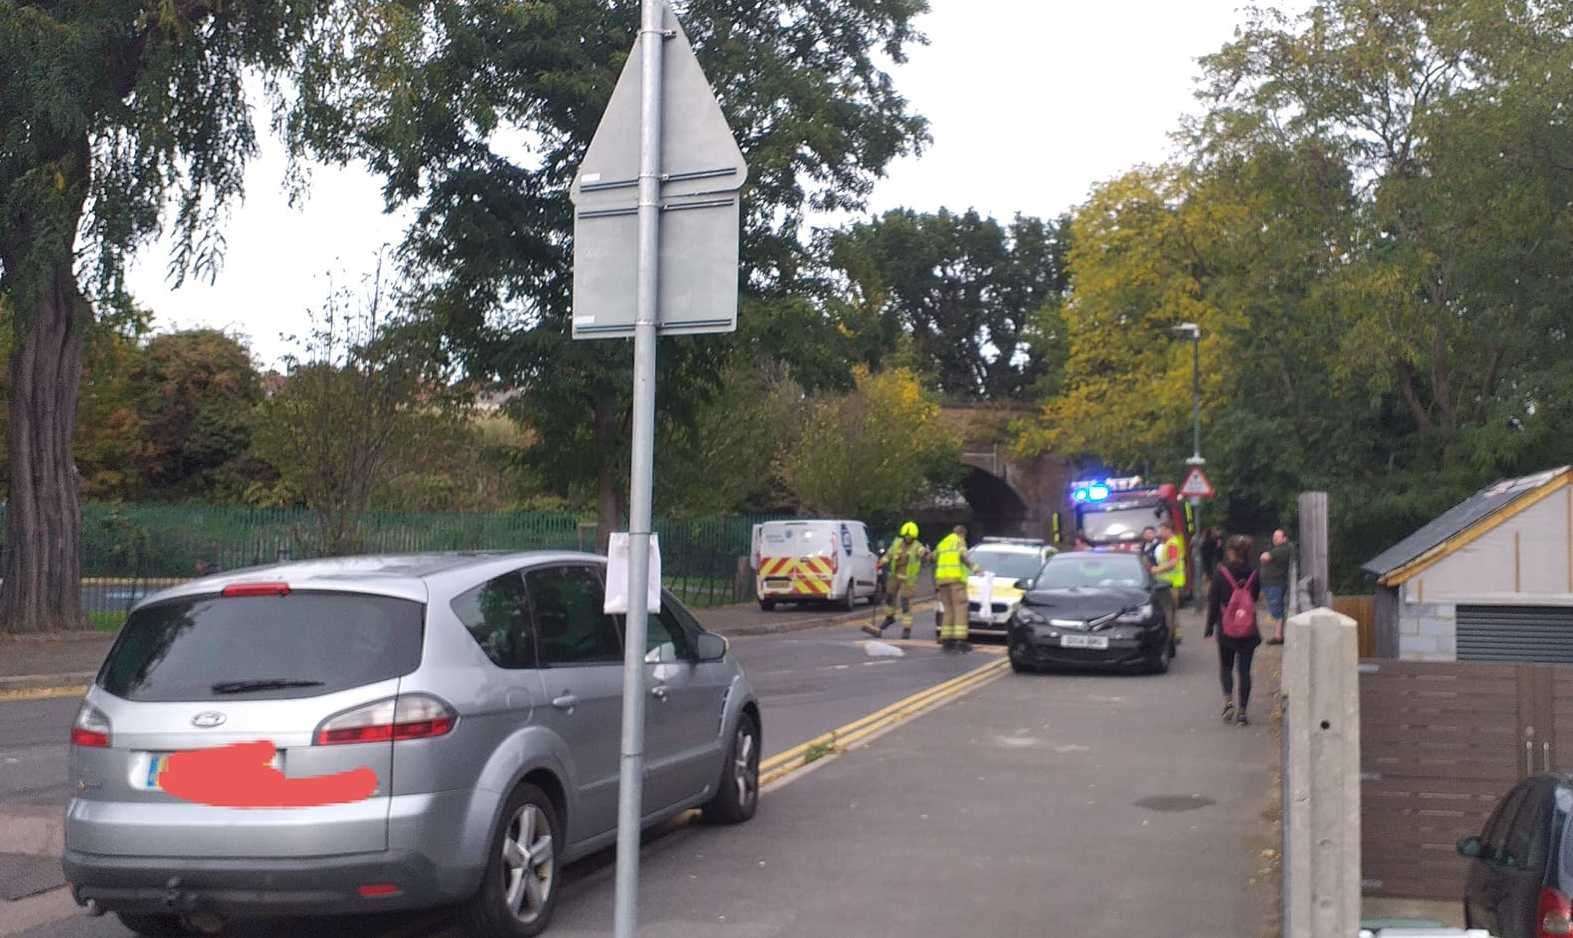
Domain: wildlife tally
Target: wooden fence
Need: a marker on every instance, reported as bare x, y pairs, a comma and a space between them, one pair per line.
1440, 743
1362, 609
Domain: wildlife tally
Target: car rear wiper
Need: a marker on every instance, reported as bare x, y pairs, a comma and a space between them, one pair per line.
246, 687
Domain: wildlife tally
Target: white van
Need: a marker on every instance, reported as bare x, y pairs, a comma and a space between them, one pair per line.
827, 562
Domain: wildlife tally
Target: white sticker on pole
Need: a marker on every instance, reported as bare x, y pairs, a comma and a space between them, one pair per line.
617, 575
987, 605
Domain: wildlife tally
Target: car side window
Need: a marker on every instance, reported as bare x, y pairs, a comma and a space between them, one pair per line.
1527, 835
497, 616
666, 640
570, 625
1501, 823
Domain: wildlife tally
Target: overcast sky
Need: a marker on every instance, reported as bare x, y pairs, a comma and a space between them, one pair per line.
1031, 103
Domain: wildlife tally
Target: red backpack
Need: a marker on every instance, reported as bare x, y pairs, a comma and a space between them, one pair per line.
1239, 615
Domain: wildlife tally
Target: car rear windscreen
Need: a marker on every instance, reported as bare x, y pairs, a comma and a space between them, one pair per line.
263, 647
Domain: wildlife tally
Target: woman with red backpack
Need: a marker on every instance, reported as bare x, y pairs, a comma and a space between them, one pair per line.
1231, 611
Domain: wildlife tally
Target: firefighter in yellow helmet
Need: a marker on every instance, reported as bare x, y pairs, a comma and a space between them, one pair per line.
951, 569
902, 563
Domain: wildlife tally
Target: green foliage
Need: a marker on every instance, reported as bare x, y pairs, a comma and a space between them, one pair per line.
1373, 228
479, 112
195, 395
874, 452
960, 297
360, 411
726, 458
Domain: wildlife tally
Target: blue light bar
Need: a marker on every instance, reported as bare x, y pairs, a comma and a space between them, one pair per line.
1090, 492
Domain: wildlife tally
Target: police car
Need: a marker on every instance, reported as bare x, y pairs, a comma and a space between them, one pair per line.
1001, 566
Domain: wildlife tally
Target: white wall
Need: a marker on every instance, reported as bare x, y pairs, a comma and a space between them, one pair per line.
1483, 573
1487, 565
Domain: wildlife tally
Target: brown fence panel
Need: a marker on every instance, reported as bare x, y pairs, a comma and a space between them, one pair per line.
1439, 744
1362, 609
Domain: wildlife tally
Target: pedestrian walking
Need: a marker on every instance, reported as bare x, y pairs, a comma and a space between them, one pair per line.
1169, 566
1275, 582
902, 563
1231, 613
951, 568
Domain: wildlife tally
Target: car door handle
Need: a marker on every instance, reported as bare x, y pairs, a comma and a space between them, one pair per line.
565, 702
659, 692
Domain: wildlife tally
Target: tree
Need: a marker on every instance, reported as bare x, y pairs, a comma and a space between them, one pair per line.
1372, 225
1139, 267
965, 290
488, 162
727, 458
876, 450
370, 392
107, 110
196, 394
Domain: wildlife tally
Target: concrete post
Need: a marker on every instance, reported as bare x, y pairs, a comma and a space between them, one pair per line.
1314, 547
1322, 776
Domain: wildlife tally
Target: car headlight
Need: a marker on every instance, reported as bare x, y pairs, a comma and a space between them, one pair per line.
1137, 616
1026, 616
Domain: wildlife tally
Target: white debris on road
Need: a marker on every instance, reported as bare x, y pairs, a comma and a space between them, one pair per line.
883, 650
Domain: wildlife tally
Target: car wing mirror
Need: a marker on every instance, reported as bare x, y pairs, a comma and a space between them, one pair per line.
1472, 848
711, 647
1026, 584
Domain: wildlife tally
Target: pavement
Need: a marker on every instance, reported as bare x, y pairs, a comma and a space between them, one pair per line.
1038, 804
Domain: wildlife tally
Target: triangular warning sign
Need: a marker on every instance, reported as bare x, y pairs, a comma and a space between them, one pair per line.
698, 152
1196, 484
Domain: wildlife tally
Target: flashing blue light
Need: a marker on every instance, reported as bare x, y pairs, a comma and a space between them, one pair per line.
1090, 492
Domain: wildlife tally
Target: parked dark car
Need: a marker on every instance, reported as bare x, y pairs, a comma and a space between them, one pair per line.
1091, 609
1520, 874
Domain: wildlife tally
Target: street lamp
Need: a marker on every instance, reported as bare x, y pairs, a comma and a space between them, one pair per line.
1190, 330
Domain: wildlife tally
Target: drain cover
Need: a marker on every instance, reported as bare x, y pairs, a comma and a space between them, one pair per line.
1175, 803
22, 875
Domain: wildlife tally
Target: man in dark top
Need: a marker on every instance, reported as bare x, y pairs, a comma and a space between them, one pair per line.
1275, 582
1150, 547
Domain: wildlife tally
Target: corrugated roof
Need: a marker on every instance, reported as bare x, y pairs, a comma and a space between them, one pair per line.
1458, 519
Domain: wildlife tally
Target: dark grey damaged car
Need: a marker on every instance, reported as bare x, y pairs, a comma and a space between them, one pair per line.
1092, 609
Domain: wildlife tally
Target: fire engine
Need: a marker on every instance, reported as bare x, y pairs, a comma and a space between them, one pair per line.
1109, 514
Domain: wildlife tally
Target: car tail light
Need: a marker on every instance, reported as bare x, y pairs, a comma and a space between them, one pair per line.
1555, 914
378, 890
415, 716
835, 562
91, 728
256, 589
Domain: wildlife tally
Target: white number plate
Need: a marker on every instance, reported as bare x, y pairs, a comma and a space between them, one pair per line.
1084, 641
159, 761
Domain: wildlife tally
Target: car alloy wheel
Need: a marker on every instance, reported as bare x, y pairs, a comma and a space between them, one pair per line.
738, 795
529, 864
745, 764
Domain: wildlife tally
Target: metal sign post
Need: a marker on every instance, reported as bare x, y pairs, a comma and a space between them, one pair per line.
630, 786
663, 136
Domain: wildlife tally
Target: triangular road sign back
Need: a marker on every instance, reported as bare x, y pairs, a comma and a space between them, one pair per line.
698, 152
702, 171
1196, 484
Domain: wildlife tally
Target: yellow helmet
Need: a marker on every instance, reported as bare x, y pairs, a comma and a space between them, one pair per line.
909, 530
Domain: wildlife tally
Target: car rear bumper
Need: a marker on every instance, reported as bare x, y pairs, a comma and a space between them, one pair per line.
125, 862
260, 887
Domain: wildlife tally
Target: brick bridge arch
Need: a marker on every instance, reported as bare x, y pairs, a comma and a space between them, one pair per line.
1004, 495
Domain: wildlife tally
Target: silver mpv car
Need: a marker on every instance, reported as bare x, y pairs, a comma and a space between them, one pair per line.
475, 697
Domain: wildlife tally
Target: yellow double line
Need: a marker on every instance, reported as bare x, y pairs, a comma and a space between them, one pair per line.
42, 693
837, 740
